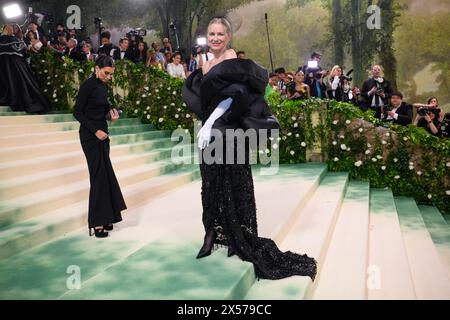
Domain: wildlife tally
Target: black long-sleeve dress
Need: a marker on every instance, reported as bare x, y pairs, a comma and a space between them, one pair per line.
228, 197
18, 88
105, 198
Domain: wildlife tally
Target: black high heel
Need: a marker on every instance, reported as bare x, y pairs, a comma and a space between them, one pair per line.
99, 233
208, 244
108, 227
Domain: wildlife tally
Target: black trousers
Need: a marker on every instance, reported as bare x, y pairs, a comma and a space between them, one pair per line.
105, 197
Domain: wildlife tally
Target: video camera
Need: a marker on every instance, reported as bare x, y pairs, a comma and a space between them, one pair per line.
424, 111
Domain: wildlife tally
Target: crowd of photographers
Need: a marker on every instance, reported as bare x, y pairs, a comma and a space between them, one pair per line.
376, 93
310, 80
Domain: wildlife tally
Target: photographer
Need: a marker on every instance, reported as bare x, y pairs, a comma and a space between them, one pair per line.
397, 111
334, 84
375, 90
314, 76
107, 47
429, 116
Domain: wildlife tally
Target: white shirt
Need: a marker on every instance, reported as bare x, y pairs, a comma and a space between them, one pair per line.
176, 71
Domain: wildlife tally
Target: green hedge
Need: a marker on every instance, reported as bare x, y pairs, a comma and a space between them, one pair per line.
406, 159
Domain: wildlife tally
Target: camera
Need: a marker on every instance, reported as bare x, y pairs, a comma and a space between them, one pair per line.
344, 77
424, 111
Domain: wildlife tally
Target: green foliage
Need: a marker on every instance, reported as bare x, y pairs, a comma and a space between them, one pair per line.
406, 159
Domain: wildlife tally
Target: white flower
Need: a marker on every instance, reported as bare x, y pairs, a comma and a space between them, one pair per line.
334, 143
289, 134
56, 100
429, 196
45, 90
405, 138
176, 116
92, 69
188, 115
80, 70
358, 163
295, 125
160, 120
447, 192
347, 121
271, 138
174, 93
383, 142
411, 167
369, 145
144, 96
343, 147
138, 103
148, 116
374, 159
158, 97
164, 107
292, 152
297, 135
397, 177
65, 65
61, 86
43, 61
367, 151
379, 157
303, 144
56, 76
173, 105
448, 164
294, 118
335, 122
136, 110
145, 112
48, 83
148, 108
45, 71
54, 95
278, 138
156, 90
342, 137
146, 88
275, 146
360, 129
387, 134
284, 138
184, 104
336, 159
383, 168
169, 88
419, 173
261, 152
411, 163
348, 149
395, 160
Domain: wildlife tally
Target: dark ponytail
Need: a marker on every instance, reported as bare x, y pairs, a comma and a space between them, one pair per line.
104, 61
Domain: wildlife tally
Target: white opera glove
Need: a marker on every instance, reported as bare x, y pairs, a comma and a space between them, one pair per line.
335, 83
204, 135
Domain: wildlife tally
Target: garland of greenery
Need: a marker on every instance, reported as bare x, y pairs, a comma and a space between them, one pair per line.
407, 159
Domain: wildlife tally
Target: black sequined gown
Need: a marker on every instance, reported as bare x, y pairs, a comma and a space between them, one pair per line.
228, 196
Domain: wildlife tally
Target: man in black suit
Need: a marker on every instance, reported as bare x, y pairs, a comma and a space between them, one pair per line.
123, 51
107, 47
72, 50
397, 111
375, 90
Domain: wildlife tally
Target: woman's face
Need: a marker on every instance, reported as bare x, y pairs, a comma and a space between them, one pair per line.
141, 46
31, 35
176, 60
338, 72
218, 38
104, 74
300, 76
434, 102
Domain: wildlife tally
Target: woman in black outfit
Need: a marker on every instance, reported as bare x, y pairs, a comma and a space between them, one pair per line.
228, 93
92, 109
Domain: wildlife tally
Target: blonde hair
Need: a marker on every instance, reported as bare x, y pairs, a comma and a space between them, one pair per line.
223, 21
333, 70
379, 66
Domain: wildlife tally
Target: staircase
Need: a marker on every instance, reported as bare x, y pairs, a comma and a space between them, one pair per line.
369, 244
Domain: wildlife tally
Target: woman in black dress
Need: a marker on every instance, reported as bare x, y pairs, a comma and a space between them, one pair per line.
228, 93
92, 109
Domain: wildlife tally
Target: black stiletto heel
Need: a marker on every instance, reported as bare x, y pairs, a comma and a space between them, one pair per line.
108, 227
208, 244
99, 233
231, 252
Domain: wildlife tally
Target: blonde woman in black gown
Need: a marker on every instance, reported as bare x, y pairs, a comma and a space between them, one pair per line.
228, 93
92, 109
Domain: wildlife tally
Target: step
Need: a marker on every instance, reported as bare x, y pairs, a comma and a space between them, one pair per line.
128, 169
38, 230
5, 109
428, 273
439, 231
39, 150
18, 129
12, 113
30, 119
48, 137
389, 275
309, 234
343, 274
214, 277
24, 185
11, 170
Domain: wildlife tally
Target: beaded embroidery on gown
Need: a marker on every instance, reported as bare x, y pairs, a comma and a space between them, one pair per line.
227, 193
